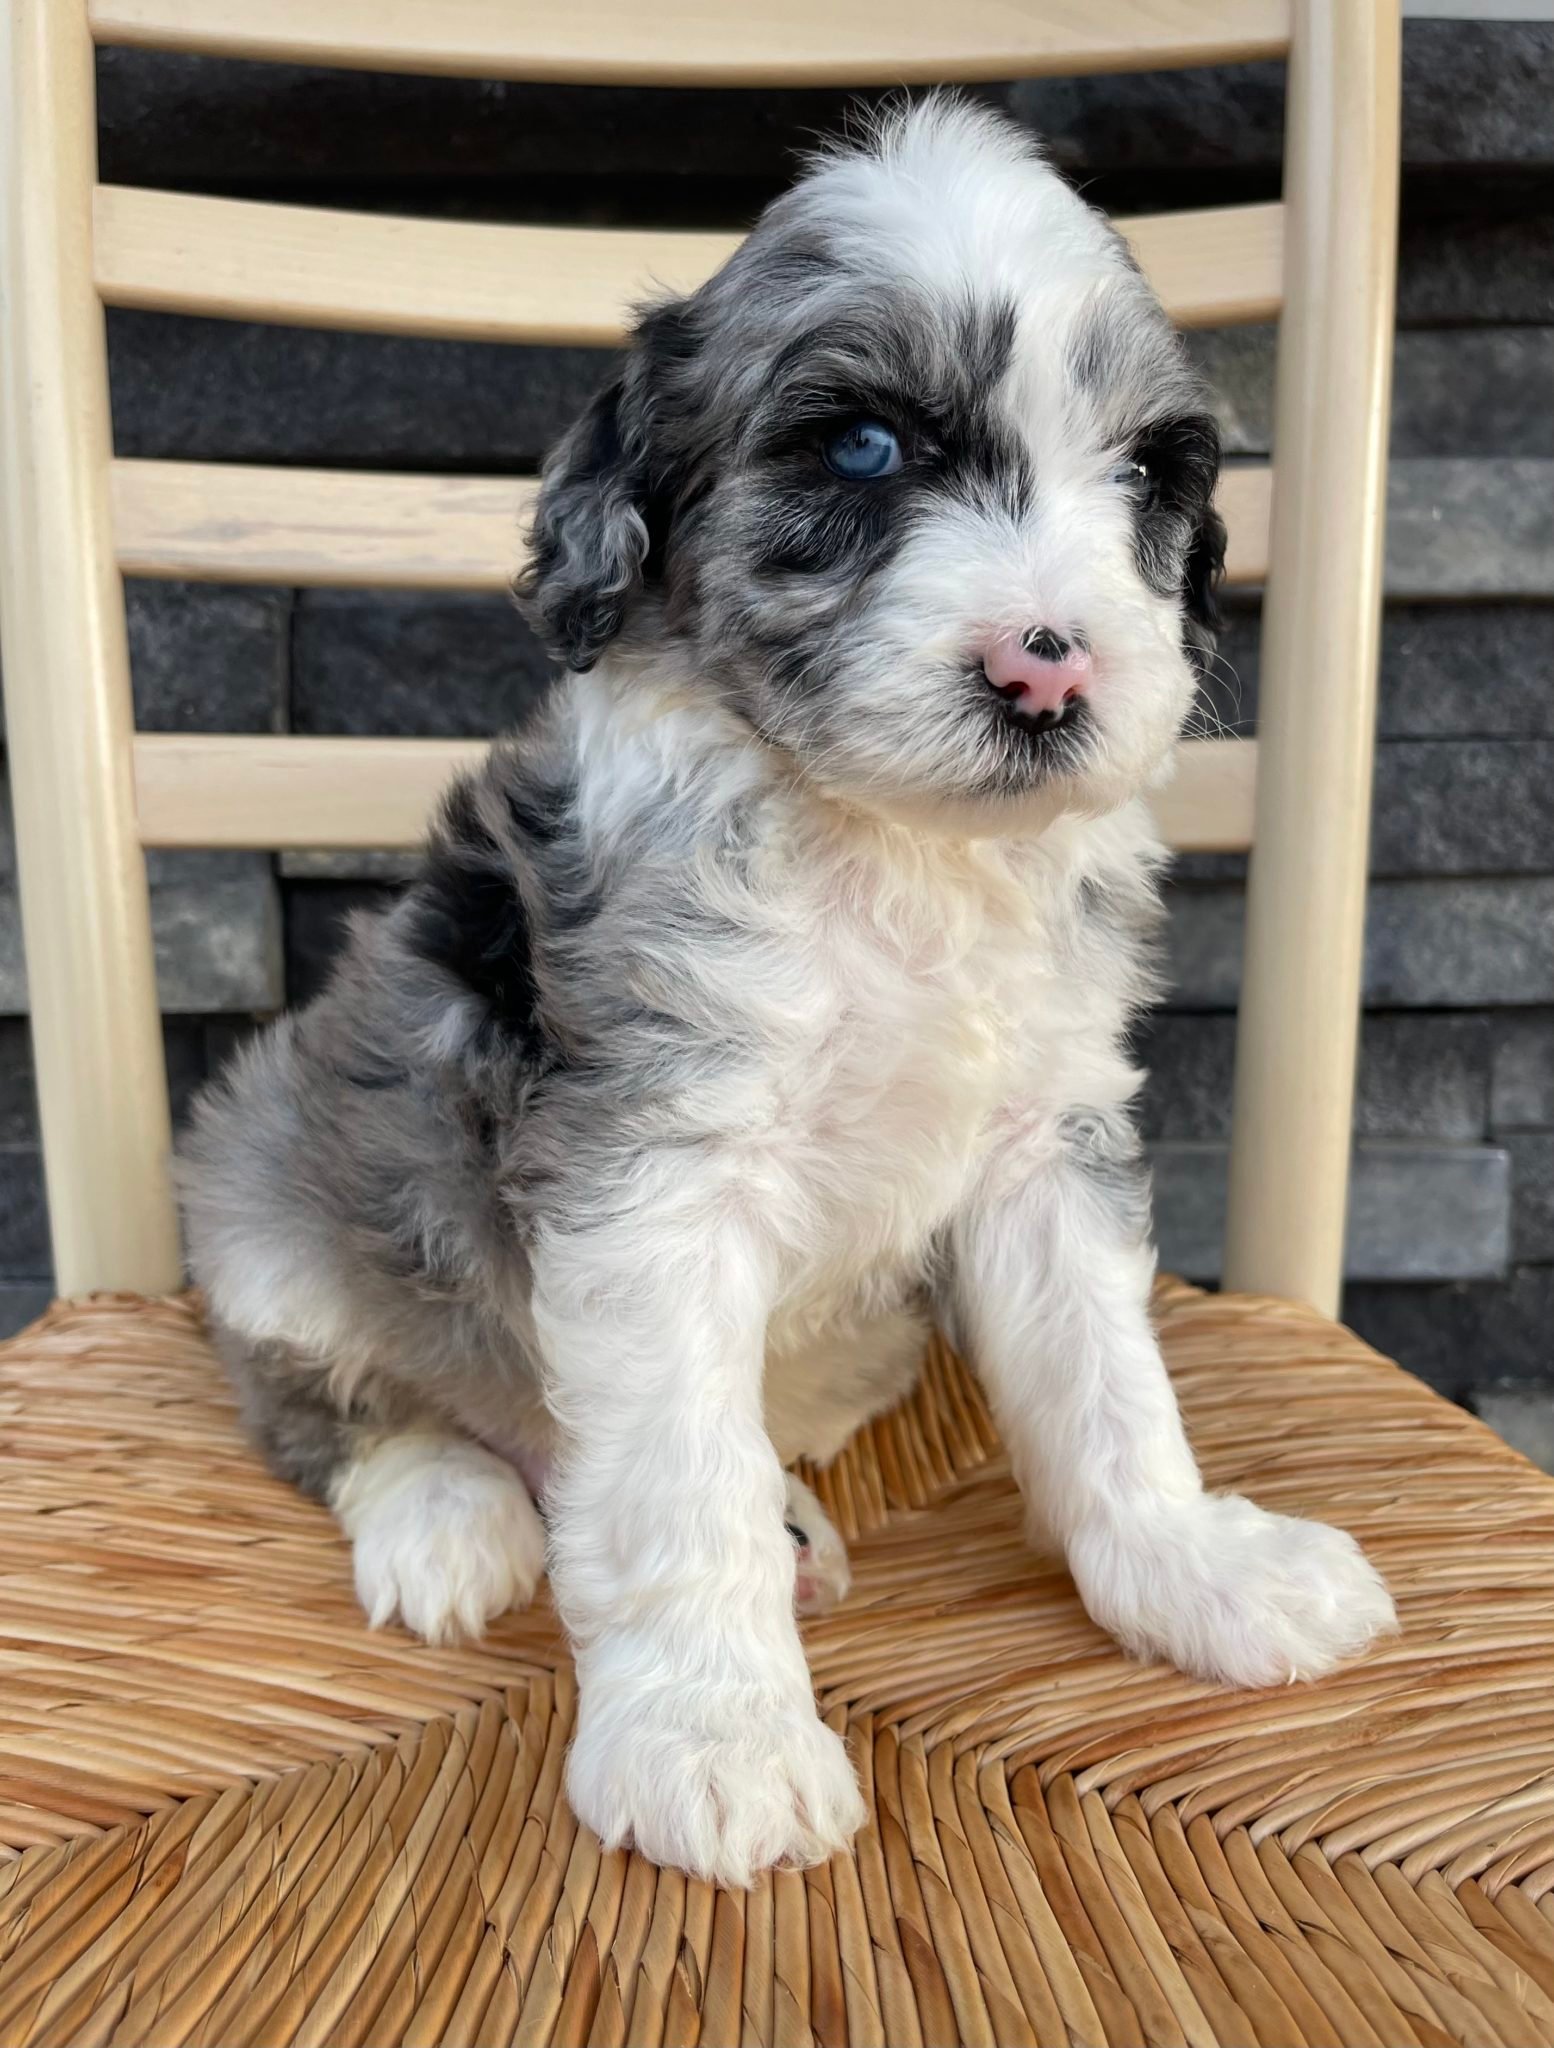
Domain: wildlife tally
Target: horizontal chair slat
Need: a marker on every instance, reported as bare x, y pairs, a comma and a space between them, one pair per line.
279, 793
709, 42
178, 252
233, 523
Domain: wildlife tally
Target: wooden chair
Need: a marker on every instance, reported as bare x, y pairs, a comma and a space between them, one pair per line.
231, 1813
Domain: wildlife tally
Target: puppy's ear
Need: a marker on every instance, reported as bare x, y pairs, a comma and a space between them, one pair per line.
589, 538
1202, 576
608, 491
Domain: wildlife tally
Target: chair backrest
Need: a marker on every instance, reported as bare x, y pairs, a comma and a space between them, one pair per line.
89, 794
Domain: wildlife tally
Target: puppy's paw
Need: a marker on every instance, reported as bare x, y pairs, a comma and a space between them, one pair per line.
1224, 1590
822, 1576
722, 1784
444, 1533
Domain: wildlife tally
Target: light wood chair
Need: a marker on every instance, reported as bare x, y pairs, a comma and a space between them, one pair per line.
231, 1814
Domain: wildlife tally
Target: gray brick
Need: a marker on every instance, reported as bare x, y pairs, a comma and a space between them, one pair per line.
1423, 1076
1457, 529
18, 1097
352, 865
1448, 671
1476, 671
1203, 946
221, 390
1473, 391
316, 914
13, 972
1522, 1074
1467, 528
215, 918
1459, 1336
21, 1303
1420, 1076
1231, 117
1430, 944
215, 921
206, 658
1238, 363
1532, 1196
1473, 94
1482, 251
186, 1042
1462, 391
1460, 944
1478, 93
24, 1225
1524, 1417
1416, 1212
1463, 807
1189, 1063
447, 667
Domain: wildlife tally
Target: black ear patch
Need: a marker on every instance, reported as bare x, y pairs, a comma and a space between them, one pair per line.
589, 538
607, 493
1204, 573
1180, 538
465, 914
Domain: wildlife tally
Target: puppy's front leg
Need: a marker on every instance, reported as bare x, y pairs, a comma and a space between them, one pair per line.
697, 1737
1053, 1269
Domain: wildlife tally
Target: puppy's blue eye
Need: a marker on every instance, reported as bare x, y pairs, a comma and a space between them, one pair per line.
1133, 472
862, 451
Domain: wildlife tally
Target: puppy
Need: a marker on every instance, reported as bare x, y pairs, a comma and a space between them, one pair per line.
766, 996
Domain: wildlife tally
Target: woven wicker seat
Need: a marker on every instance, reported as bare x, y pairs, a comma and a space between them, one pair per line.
240, 1817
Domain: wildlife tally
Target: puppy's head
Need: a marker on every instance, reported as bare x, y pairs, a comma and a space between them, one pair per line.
919, 483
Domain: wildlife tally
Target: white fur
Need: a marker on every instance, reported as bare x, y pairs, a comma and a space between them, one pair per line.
1056, 1310
444, 1534
824, 1575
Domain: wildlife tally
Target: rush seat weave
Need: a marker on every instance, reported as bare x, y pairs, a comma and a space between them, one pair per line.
234, 1815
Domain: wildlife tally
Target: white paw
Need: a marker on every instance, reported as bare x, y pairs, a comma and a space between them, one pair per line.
822, 1576
444, 1533
723, 1783
1224, 1590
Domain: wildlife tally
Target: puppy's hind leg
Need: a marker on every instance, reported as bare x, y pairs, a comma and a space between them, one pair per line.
443, 1532
822, 1575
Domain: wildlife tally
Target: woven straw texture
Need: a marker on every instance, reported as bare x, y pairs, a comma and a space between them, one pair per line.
233, 1815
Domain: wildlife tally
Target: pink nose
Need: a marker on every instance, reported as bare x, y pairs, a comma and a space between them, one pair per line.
1039, 672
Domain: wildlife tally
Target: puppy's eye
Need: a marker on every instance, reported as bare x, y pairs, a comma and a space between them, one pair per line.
862, 451
1135, 472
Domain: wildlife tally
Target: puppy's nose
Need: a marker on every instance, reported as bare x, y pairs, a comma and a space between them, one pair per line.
1040, 672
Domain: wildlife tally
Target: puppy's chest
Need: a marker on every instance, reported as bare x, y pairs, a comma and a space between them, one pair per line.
920, 1036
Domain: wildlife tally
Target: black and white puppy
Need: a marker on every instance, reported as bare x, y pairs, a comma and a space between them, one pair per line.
768, 995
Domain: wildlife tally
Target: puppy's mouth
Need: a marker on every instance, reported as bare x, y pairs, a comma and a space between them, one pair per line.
1047, 726
1040, 746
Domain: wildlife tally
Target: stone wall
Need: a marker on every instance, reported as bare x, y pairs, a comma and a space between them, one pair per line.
1452, 1240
